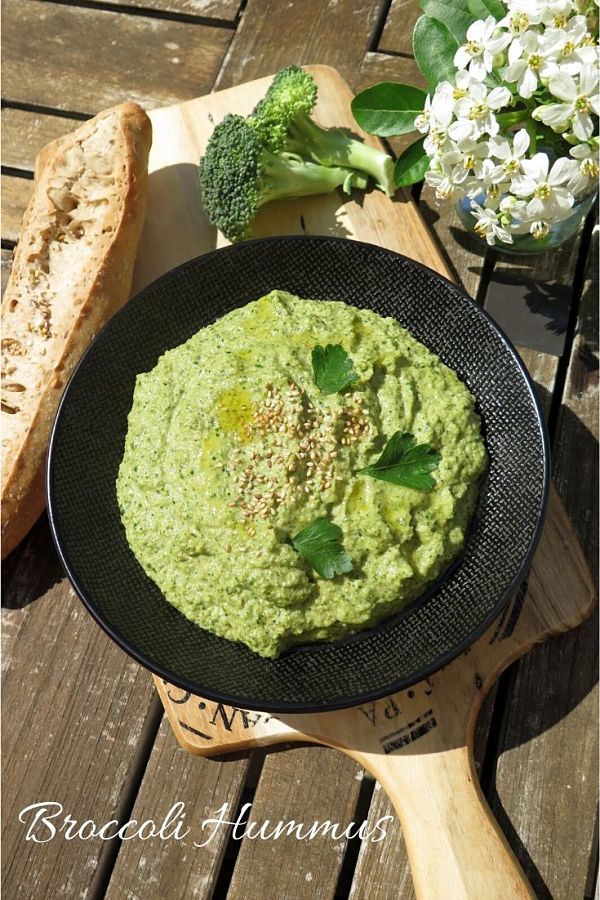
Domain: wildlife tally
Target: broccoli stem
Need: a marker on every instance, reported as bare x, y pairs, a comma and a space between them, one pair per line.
332, 146
288, 176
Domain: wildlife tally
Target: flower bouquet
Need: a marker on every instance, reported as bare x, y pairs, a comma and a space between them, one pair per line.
510, 122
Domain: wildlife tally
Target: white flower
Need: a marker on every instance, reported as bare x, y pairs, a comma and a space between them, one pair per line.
473, 157
489, 225
463, 85
521, 15
517, 22
476, 112
437, 141
548, 200
580, 100
480, 48
573, 51
511, 158
437, 111
448, 176
585, 168
512, 206
530, 57
555, 12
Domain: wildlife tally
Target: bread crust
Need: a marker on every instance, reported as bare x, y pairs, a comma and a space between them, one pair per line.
104, 285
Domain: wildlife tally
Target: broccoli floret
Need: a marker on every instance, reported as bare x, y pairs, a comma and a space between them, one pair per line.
238, 174
283, 119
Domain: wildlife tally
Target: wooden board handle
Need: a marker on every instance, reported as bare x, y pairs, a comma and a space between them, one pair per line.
455, 847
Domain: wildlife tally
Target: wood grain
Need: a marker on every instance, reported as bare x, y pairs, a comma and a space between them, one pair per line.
464, 254
25, 133
531, 297
83, 706
397, 32
226, 10
549, 745
383, 866
337, 32
306, 784
543, 369
148, 60
15, 197
173, 868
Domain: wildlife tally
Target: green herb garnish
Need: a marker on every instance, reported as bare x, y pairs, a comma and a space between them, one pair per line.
333, 369
405, 462
320, 544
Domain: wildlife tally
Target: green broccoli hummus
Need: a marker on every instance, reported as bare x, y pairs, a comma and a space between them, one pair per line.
232, 449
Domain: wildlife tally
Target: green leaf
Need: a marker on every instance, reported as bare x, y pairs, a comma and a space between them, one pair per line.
481, 9
320, 544
455, 15
388, 108
411, 165
434, 49
332, 368
405, 462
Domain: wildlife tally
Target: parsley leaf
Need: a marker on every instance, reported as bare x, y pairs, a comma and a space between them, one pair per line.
320, 544
405, 462
333, 369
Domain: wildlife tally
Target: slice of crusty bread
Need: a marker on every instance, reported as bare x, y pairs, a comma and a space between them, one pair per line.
72, 270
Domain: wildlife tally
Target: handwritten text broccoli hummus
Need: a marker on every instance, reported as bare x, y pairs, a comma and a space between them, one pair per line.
232, 450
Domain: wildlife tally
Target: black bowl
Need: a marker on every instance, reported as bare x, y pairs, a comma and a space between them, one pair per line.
87, 446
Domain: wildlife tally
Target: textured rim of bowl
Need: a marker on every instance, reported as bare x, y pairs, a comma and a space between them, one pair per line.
342, 702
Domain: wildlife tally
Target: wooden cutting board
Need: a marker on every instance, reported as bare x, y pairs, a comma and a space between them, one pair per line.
417, 743
176, 228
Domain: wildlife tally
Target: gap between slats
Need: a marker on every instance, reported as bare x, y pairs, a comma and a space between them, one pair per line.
150, 13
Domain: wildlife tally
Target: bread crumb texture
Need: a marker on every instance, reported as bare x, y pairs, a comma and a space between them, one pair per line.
71, 271
74, 214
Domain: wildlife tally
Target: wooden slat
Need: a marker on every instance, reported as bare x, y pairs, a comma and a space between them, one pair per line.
530, 296
174, 868
382, 869
546, 777
15, 197
397, 32
306, 784
543, 369
377, 67
48, 49
76, 708
269, 36
577, 432
464, 253
25, 133
226, 10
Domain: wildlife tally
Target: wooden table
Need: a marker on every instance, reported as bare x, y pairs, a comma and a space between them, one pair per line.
82, 724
